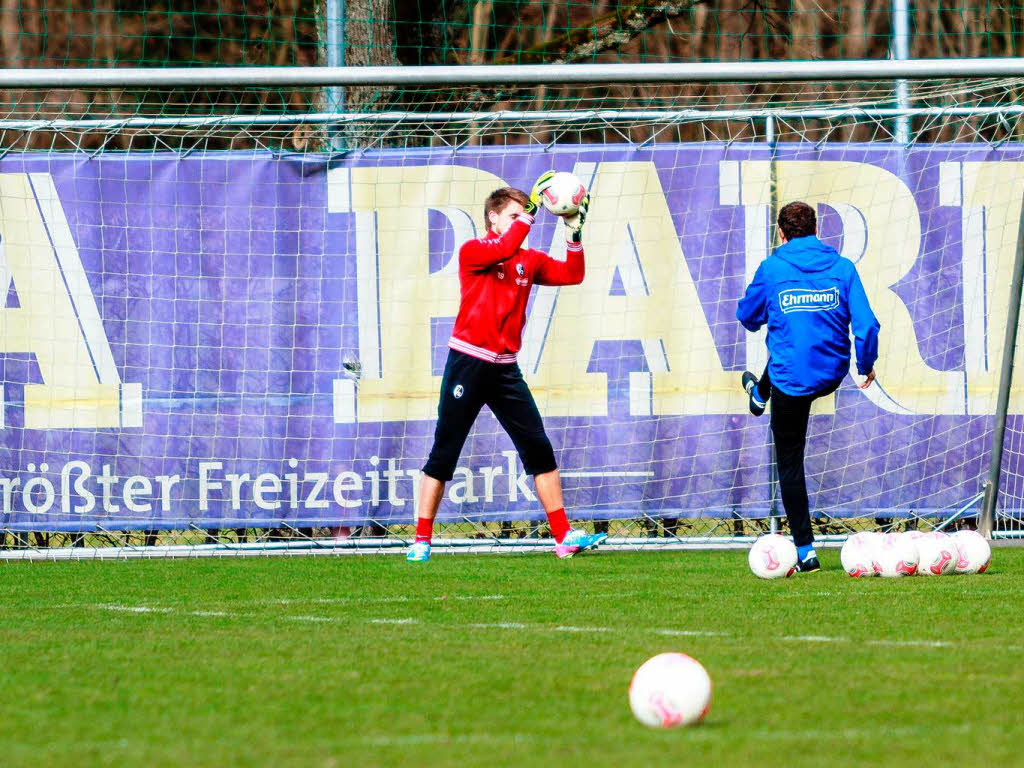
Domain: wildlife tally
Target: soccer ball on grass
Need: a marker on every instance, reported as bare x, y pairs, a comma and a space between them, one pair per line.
859, 555
670, 689
897, 556
772, 557
938, 555
975, 552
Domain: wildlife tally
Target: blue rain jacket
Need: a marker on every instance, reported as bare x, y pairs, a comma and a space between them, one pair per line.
811, 298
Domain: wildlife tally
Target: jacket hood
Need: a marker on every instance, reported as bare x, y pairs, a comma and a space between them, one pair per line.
808, 254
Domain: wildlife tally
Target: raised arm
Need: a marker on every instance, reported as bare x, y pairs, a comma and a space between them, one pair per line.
569, 272
483, 253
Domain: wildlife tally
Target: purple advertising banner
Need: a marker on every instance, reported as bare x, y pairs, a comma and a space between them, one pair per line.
242, 339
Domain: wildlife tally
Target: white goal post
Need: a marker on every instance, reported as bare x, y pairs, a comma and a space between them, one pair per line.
227, 307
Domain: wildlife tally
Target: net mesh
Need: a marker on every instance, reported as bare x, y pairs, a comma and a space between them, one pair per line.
96, 33
305, 120
227, 312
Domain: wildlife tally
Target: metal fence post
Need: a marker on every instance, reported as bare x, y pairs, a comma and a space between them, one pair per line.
770, 136
988, 507
335, 11
901, 52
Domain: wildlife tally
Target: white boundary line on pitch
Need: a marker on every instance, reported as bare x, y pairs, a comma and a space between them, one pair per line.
124, 608
414, 739
396, 599
513, 625
692, 734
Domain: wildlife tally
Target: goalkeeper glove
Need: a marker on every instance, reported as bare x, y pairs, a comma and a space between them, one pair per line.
574, 223
538, 189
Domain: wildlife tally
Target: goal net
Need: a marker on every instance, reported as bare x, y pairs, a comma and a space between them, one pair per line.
227, 309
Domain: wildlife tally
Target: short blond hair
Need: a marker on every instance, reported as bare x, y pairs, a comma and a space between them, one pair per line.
499, 199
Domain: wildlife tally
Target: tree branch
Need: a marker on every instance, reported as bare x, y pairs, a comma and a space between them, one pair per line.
612, 30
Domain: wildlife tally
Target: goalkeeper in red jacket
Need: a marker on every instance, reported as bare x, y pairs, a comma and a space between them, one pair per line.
496, 274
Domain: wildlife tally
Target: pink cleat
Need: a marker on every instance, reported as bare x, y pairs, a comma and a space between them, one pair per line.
577, 541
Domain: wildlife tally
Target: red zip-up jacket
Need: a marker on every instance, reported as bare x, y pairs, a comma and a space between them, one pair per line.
495, 276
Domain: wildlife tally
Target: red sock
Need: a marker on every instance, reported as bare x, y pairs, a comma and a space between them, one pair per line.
559, 524
424, 529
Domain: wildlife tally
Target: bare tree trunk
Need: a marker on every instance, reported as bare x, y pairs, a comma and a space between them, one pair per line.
10, 53
478, 47
369, 41
479, 32
805, 27
10, 33
544, 35
854, 46
369, 33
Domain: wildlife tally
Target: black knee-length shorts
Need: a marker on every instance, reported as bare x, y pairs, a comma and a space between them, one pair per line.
467, 386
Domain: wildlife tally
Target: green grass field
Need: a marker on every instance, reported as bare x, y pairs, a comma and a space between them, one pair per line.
503, 660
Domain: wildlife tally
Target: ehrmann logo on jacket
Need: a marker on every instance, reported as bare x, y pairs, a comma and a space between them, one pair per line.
808, 300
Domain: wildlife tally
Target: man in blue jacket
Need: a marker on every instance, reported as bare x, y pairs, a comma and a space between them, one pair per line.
811, 298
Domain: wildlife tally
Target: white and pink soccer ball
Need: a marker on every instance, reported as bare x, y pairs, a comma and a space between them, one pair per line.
669, 690
975, 552
931, 553
563, 194
772, 557
938, 554
859, 554
897, 555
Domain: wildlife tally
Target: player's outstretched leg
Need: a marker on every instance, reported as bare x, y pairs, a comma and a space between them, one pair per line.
462, 396
513, 405
789, 431
431, 491
568, 541
419, 552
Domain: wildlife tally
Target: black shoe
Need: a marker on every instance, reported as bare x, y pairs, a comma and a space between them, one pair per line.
810, 565
750, 385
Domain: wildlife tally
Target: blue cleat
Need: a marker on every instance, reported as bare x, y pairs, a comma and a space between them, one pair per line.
807, 560
418, 552
577, 541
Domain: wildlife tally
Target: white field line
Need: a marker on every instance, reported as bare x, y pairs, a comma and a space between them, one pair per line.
394, 599
913, 643
394, 621
847, 734
519, 626
688, 633
563, 628
132, 608
692, 734
412, 739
